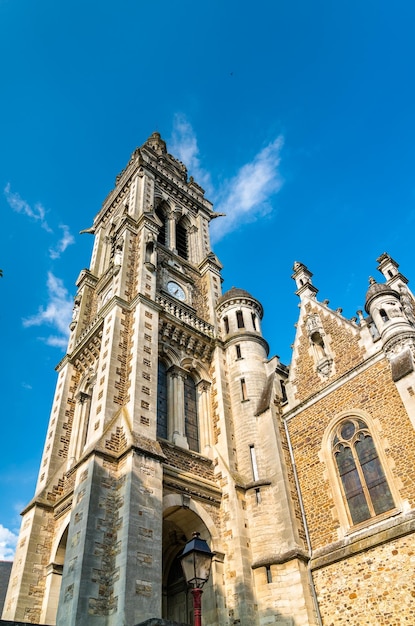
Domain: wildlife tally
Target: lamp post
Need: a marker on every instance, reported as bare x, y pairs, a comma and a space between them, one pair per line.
196, 560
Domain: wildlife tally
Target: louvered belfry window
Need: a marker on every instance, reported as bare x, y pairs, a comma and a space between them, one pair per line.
181, 240
162, 236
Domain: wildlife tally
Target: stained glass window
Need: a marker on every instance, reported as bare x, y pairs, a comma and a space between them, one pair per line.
190, 414
363, 480
162, 401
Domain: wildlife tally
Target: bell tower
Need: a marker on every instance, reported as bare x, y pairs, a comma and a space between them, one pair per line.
135, 374
166, 420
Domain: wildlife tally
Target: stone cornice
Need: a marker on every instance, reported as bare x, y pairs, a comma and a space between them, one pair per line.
280, 559
86, 277
191, 484
244, 335
379, 533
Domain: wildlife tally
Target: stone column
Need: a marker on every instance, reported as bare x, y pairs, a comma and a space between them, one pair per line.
203, 410
52, 589
171, 231
193, 250
175, 407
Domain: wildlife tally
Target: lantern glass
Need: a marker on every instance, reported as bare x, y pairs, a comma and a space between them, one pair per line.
196, 561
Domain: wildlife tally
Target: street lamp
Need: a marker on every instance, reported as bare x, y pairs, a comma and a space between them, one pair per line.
196, 560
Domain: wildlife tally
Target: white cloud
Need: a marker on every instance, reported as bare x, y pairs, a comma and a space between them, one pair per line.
66, 240
8, 542
247, 195
57, 313
243, 198
19, 205
183, 145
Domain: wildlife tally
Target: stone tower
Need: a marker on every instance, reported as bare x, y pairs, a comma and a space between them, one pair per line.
165, 420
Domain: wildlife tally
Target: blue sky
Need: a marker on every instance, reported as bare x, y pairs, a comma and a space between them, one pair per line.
297, 118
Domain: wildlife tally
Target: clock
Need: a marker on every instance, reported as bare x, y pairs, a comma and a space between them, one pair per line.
176, 291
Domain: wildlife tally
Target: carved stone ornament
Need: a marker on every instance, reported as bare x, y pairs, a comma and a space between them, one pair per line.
407, 304
402, 365
392, 309
313, 324
399, 344
324, 367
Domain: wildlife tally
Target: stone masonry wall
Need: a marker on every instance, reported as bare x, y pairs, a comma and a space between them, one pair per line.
373, 392
343, 345
376, 587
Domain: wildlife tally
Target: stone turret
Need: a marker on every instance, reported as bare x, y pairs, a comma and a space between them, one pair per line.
384, 305
302, 277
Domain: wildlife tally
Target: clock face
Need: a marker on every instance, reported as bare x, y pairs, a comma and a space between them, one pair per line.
176, 291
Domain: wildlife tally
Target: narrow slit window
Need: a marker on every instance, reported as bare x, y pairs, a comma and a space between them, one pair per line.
240, 319
254, 464
238, 351
269, 573
383, 315
253, 320
226, 324
283, 391
244, 394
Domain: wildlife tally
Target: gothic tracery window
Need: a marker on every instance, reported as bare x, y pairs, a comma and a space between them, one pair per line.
190, 414
162, 401
365, 488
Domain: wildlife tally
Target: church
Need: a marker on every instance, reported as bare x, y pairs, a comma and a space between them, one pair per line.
170, 417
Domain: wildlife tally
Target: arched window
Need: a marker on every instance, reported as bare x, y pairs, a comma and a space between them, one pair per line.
162, 236
319, 346
162, 401
181, 239
363, 481
191, 426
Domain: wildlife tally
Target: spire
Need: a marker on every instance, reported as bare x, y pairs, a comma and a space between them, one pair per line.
157, 143
302, 277
390, 269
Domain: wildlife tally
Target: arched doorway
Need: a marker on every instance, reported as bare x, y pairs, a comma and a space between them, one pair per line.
178, 525
53, 581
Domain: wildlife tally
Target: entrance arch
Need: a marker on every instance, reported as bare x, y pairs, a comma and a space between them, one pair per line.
179, 523
54, 580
